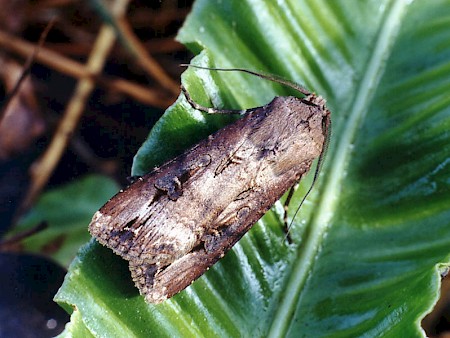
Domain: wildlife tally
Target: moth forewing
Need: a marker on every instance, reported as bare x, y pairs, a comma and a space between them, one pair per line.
178, 220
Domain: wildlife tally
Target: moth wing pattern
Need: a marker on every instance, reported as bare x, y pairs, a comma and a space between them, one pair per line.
132, 217
177, 221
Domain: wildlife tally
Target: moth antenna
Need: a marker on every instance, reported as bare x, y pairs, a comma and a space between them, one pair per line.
272, 78
327, 133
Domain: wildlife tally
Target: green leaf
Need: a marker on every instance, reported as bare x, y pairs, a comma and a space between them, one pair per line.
370, 241
75, 328
65, 211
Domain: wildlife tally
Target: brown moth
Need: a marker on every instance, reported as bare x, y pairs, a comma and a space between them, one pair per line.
178, 220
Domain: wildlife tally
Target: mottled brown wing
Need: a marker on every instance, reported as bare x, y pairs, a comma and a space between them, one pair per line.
133, 221
177, 221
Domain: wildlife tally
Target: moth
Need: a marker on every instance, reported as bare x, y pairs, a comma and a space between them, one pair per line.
175, 222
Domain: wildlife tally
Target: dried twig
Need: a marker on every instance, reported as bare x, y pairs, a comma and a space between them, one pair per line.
77, 70
127, 37
44, 167
26, 69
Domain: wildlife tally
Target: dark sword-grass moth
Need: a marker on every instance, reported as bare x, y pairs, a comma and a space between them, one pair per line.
175, 222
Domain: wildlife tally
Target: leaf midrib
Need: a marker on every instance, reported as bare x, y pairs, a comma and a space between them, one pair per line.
338, 161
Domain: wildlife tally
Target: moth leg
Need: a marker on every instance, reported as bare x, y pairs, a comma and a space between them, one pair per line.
210, 110
286, 210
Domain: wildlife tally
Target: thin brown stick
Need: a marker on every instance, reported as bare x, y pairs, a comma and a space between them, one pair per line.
77, 70
26, 69
44, 167
147, 62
